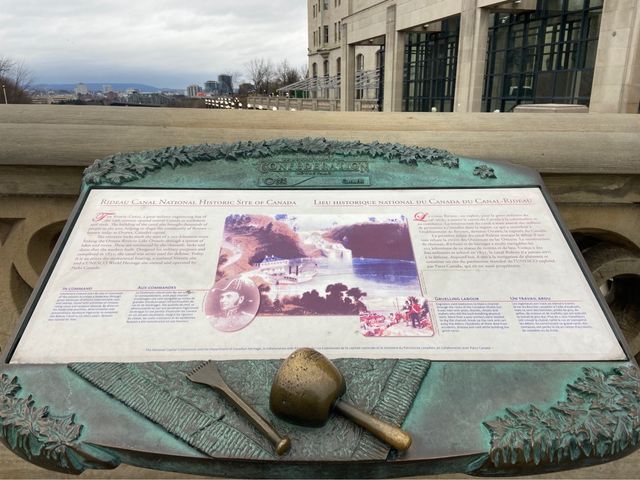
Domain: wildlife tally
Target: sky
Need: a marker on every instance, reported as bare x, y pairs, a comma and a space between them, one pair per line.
163, 43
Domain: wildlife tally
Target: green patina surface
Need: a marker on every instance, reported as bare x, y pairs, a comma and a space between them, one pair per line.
549, 414
542, 416
466, 416
306, 163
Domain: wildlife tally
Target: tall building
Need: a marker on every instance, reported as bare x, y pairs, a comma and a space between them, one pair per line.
193, 90
212, 87
476, 55
225, 84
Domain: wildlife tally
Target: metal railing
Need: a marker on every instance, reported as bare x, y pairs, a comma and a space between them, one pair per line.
365, 80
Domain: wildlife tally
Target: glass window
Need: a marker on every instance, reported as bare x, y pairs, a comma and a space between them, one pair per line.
548, 58
586, 80
430, 68
573, 5
533, 32
379, 59
593, 26
553, 6
501, 39
547, 55
517, 35
590, 57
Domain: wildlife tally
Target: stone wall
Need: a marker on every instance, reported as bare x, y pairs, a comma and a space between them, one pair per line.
589, 163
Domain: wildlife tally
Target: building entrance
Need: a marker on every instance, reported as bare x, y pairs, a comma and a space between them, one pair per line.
544, 56
430, 68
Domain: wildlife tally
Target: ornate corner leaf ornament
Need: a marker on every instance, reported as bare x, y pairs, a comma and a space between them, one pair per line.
43, 439
484, 172
125, 167
600, 418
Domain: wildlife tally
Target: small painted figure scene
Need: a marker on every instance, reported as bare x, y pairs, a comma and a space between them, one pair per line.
232, 304
409, 318
320, 264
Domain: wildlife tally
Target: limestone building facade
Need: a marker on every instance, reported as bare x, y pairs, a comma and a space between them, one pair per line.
475, 55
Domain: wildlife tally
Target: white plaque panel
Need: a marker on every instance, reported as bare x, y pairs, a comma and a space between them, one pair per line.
449, 274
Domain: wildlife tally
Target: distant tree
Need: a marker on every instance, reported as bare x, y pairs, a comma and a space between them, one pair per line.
277, 306
16, 78
303, 71
245, 89
335, 296
312, 303
266, 305
286, 74
261, 73
357, 294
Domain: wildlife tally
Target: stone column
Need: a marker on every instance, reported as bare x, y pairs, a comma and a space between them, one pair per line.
398, 72
393, 64
472, 55
348, 73
390, 53
616, 78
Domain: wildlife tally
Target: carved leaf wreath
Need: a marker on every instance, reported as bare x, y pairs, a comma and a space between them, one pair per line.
121, 168
43, 439
600, 417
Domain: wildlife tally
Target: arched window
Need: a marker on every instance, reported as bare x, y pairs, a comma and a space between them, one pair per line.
338, 66
325, 67
314, 70
360, 61
379, 58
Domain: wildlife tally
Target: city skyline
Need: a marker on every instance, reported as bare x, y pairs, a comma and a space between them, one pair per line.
167, 44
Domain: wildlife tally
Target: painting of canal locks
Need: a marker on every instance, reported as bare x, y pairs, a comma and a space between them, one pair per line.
321, 264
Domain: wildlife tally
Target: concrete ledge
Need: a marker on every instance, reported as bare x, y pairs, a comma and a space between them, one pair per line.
75, 136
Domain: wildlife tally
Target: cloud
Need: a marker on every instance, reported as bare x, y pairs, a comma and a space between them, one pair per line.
166, 43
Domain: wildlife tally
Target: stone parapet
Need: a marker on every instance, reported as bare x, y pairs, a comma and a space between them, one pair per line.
72, 136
